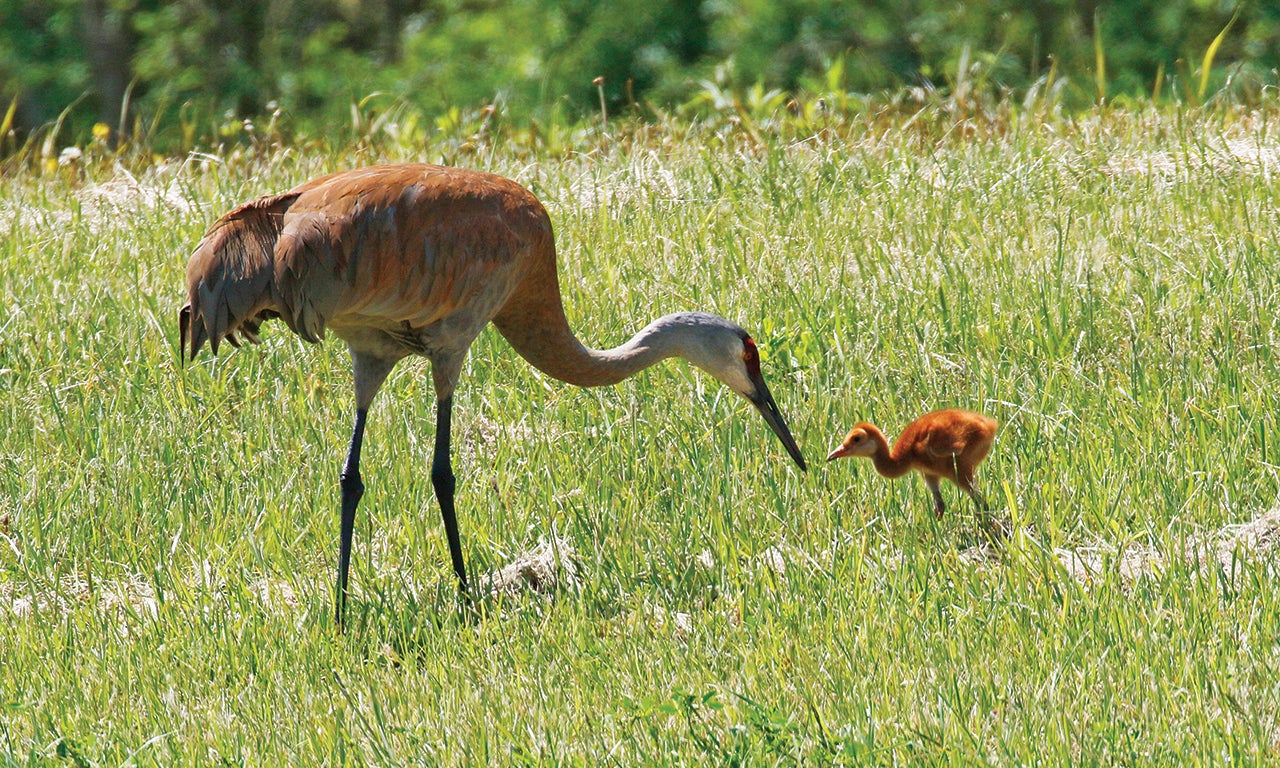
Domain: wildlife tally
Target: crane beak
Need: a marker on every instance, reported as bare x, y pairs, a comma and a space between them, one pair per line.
763, 401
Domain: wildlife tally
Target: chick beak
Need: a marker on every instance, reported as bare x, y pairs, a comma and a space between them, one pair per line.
839, 452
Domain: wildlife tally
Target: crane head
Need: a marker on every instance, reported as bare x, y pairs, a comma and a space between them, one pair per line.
858, 442
762, 399
728, 352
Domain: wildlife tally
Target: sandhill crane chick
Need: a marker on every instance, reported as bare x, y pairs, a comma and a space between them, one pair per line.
947, 444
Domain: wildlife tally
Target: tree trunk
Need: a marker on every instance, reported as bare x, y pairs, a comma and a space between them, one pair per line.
108, 47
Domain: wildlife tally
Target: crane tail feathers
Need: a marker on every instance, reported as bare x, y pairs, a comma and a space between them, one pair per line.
229, 276
214, 312
184, 324
192, 335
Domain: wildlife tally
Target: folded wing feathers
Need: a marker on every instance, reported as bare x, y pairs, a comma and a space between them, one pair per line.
305, 258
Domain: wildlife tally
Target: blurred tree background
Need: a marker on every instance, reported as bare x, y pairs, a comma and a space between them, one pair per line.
186, 72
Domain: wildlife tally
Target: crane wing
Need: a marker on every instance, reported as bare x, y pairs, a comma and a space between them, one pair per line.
400, 246
931, 437
942, 444
309, 257
953, 435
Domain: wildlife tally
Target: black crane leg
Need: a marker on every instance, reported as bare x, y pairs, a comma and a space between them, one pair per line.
352, 490
443, 481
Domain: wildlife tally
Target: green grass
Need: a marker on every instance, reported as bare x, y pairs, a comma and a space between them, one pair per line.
1107, 287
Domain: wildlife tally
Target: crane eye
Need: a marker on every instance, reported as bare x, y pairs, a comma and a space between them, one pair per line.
751, 355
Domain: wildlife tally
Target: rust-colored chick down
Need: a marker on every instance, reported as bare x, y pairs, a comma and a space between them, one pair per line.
947, 444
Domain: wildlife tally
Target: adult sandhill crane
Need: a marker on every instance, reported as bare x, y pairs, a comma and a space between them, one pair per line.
410, 259
947, 444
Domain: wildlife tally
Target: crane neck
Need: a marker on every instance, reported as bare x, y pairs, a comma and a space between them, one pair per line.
534, 323
887, 462
557, 352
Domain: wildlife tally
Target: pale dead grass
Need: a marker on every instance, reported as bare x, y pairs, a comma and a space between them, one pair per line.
480, 431
660, 620
133, 596
99, 205
984, 556
645, 181
1090, 564
551, 565
274, 594
126, 195
1254, 542
1229, 156
775, 560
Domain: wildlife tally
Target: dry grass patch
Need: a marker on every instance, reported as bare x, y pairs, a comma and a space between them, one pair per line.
1254, 541
1090, 564
549, 566
1235, 156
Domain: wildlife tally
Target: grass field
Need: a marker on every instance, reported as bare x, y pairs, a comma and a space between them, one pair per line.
1107, 287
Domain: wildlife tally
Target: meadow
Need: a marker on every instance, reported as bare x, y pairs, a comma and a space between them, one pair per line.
1105, 285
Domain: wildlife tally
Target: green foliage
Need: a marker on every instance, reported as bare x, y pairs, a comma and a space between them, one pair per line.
184, 74
40, 56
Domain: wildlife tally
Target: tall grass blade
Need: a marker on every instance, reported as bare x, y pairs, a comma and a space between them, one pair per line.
7, 124
123, 125
51, 139
1099, 57
1207, 65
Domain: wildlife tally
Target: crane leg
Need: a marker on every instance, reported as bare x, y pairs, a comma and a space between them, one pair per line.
352, 490
443, 481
